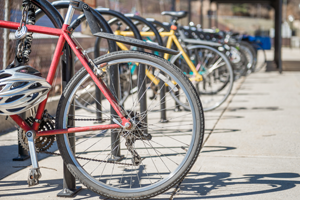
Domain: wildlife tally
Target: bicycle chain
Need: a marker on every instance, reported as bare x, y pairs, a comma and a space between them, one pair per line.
90, 159
85, 119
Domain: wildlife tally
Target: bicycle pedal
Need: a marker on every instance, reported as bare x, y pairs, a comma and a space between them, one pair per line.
33, 177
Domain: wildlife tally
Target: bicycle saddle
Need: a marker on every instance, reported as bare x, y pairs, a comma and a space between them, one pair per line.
175, 14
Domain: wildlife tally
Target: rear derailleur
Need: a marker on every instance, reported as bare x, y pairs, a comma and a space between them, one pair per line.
137, 133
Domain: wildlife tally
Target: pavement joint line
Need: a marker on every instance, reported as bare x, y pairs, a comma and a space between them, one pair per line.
223, 111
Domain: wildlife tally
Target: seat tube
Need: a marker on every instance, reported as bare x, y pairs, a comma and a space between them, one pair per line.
168, 45
69, 15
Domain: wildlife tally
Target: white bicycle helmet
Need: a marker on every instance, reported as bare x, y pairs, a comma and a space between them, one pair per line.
21, 88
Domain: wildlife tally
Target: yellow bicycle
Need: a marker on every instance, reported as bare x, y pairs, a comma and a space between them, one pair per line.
208, 68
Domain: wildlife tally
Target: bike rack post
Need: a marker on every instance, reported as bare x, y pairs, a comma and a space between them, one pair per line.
177, 106
98, 94
115, 77
158, 23
115, 85
22, 153
162, 87
69, 183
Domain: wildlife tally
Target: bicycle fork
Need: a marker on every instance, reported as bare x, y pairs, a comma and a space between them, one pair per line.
34, 174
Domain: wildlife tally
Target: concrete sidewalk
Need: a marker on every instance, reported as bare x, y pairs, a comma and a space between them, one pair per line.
254, 150
251, 150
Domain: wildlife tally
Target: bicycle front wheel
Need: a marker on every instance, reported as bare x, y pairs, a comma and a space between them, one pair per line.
135, 164
216, 71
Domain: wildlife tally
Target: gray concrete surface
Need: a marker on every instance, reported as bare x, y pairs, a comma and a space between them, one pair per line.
251, 149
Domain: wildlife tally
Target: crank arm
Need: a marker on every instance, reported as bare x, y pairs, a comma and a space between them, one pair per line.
34, 173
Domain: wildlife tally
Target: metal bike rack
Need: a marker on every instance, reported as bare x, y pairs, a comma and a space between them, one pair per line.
167, 28
69, 180
118, 16
163, 118
141, 71
69, 183
105, 11
115, 81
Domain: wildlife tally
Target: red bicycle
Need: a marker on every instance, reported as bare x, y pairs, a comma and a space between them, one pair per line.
128, 153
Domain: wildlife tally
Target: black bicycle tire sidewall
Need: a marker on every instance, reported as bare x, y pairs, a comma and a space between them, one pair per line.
146, 194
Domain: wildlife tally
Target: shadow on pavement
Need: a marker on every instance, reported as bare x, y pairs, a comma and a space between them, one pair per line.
47, 189
209, 185
21, 187
8, 166
220, 185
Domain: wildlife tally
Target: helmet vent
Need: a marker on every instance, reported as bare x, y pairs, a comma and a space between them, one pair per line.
18, 85
15, 109
33, 96
29, 70
35, 85
2, 76
16, 97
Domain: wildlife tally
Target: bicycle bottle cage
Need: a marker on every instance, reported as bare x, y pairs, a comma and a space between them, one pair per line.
96, 31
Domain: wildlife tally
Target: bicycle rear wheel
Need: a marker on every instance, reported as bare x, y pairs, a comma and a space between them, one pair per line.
136, 164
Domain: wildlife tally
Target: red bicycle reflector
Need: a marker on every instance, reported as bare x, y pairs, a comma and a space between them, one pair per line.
173, 27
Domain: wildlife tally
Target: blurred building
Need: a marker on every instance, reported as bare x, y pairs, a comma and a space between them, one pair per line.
245, 18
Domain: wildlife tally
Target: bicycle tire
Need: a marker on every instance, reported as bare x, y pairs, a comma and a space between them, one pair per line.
81, 172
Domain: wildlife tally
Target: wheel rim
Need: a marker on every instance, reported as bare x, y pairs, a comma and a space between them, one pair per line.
84, 171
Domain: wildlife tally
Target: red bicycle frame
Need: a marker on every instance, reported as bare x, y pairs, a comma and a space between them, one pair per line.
64, 36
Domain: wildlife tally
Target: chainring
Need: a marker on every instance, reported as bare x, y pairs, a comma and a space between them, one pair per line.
43, 143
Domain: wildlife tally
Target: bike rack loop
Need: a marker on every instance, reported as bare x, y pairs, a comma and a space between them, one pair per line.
69, 184
167, 28
115, 135
141, 71
106, 11
112, 45
126, 19
160, 42
114, 70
